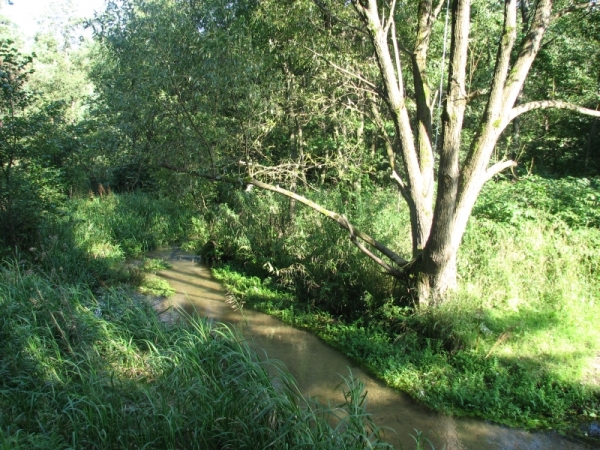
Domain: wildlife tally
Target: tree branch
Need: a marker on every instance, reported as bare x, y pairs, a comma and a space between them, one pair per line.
476, 94
341, 69
335, 19
438, 9
386, 27
497, 168
389, 269
544, 104
574, 8
378, 122
341, 220
396, 55
335, 217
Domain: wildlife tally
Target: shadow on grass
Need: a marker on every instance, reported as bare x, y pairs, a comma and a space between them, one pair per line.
84, 364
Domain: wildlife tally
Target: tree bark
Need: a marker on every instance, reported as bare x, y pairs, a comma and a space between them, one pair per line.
438, 268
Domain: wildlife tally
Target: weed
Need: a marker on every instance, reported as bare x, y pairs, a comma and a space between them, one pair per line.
103, 372
86, 364
156, 286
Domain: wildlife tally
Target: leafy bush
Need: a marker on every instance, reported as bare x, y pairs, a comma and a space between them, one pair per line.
514, 344
575, 201
30, 183
312, 256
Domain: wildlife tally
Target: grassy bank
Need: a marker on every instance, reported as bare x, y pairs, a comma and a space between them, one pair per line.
516, 344
85, 363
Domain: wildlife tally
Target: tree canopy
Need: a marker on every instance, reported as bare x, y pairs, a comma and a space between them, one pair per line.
278, 94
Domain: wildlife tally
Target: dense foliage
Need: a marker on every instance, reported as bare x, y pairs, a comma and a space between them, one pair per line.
86, 362
28, 177
516, 344
110, 149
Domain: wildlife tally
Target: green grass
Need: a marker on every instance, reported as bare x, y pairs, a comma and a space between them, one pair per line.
118, 226
154, 265
85, 363
81, 370
514, 344
152, 285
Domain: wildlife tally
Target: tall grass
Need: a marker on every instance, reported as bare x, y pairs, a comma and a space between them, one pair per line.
129, 225
86, 371
84, 363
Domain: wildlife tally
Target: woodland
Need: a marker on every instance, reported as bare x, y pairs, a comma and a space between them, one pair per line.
416, 182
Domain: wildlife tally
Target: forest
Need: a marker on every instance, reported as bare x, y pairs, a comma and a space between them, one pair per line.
416, 182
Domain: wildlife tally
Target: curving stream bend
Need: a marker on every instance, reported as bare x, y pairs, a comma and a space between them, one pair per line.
317, 368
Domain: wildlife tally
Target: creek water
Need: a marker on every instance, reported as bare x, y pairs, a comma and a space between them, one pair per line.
317, 368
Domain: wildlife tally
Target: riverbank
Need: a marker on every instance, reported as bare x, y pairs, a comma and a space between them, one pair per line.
444, 365
317, 368
517, 342
86, 363
431, 375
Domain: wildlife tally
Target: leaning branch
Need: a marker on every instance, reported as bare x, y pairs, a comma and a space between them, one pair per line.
544, 104
341, 69
497, 168
389, 269
341, 220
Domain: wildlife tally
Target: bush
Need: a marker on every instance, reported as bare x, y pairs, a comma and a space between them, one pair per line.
312, 256
514, 344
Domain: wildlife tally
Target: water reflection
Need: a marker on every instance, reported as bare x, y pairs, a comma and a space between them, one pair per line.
317, 369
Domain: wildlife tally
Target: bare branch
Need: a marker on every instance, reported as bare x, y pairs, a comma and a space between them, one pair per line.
341, 69
335, 19
285, 172
529, 50
378, 122
438, 9
544, 104
398, 179
389, 269
334, 216
497, 168
573, 8
391, 18
397, 56
363, 89
476, 94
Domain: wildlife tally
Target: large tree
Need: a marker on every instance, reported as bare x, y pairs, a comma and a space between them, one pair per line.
438, 230
249, 64
438, 224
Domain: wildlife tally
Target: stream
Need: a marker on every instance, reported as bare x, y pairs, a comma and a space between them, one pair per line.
317, 368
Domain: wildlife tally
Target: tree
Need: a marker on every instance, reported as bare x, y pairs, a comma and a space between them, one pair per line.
381, 52
437, 233
438, 226
29, 177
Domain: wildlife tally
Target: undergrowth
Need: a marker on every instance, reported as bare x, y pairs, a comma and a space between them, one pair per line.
85, 363
515, 344
82, 370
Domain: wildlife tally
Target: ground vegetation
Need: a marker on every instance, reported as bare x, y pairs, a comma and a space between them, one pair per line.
444, 234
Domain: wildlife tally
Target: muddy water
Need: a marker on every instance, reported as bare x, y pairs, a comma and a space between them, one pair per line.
317, 368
